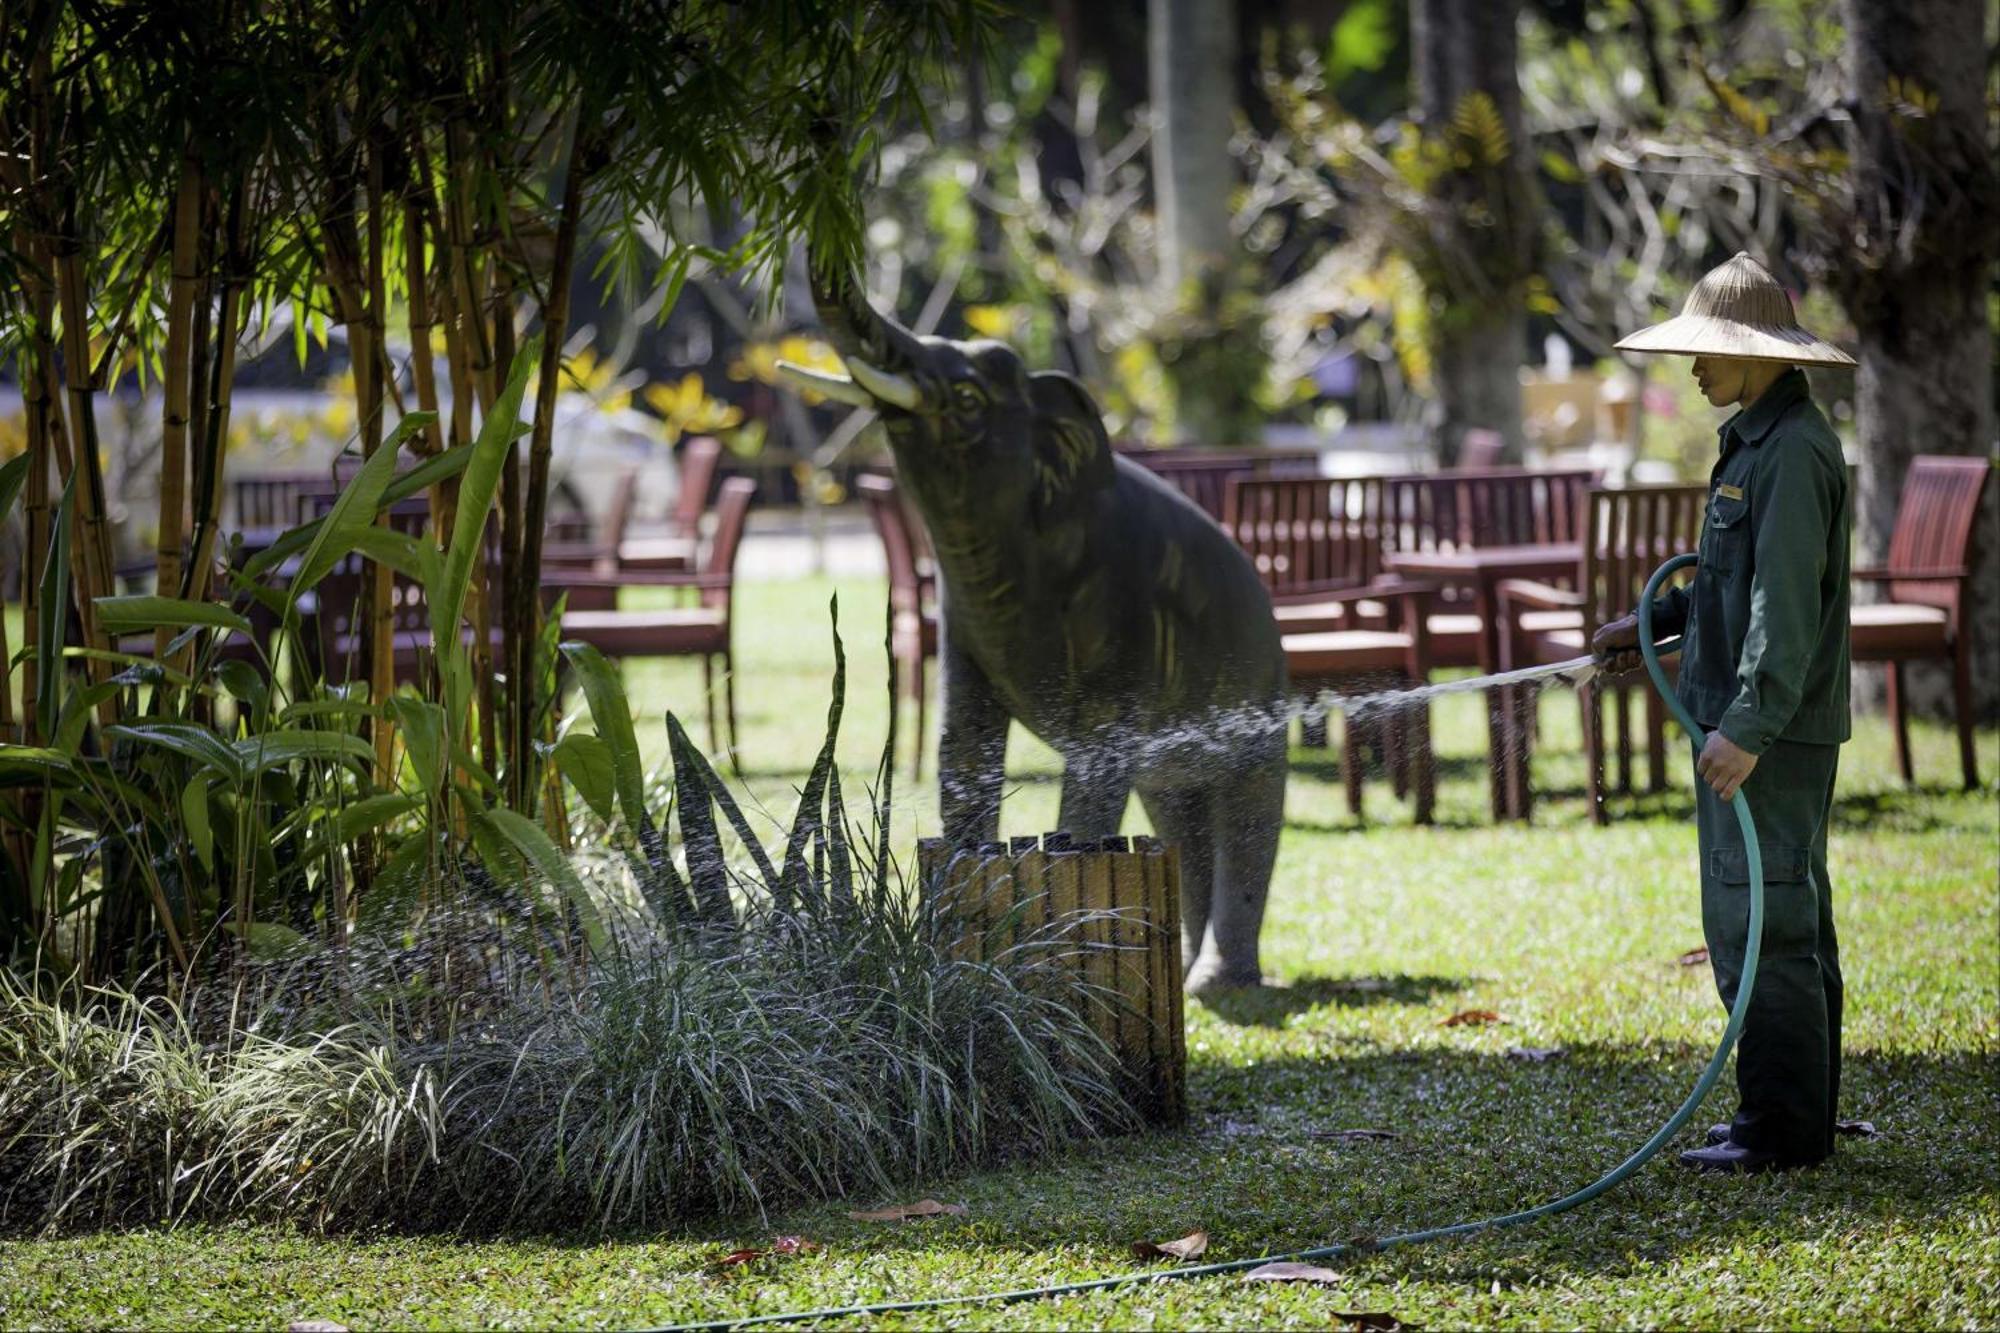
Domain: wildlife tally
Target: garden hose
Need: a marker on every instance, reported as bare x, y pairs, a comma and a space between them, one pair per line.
1731, 1030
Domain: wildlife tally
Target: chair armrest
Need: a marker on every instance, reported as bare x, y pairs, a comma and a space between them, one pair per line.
555, 580
1382, 591
1908, 575
1540, 596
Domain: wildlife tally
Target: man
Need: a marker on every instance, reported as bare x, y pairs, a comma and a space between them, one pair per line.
1764, 670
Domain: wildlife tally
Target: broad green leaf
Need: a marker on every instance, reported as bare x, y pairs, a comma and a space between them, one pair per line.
267, 941
527, 837
398, 550
353, 511
275, 749
422, 726
372, 812
244, 682
13, 474
194, 817
475, 497
78, 705
586, 761
186, 739
125, 615
613, 716
32, 763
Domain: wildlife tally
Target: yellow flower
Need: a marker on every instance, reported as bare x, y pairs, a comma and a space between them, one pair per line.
992, 321
686, 409
596, 380
759, 360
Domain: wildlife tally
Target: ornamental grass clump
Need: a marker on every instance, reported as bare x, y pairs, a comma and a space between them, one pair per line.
682, 1026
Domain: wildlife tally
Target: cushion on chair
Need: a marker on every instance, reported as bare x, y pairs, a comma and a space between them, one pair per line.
656, 553
1890, 630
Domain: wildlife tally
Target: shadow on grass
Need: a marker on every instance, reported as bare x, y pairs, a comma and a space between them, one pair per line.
1903, 810
1270, 1006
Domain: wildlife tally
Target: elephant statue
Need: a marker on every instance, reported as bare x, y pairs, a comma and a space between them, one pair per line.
1091, 602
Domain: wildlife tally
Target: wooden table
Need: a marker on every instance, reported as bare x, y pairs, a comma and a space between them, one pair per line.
1484, 567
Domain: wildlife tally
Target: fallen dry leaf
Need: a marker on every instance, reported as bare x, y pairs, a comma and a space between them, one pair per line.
1373, 1321
1291, 1273
902, 1212
1191, 1246
1352, 1135
737, 1258
1471, 1018
1860, 1129
792, 1245
315, 1326
1693, 957
1536, 1055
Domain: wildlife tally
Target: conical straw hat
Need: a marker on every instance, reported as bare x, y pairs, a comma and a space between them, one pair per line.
1738, 310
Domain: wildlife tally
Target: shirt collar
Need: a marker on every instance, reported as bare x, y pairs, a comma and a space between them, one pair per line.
1754, 422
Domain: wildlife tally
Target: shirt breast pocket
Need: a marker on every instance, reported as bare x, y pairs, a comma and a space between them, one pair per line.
1725, 533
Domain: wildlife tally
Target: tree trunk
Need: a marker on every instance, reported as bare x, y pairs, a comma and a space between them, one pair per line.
1926, 190
1484, 224
1192, 52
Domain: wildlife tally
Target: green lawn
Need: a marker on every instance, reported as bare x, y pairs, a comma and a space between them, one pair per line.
1375, 935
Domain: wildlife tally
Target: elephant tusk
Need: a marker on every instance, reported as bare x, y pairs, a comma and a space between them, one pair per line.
837, 387
895, 390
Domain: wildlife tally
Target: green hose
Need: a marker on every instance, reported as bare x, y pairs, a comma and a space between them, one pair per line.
1731, 1030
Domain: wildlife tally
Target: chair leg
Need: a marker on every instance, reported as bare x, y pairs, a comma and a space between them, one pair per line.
1592, 704
1390, 733
1656, 742
1424, 760
1350, 763
1961, 702
917, 686
1520, 753
729, 705
1622, 698
708, 700
1899, 722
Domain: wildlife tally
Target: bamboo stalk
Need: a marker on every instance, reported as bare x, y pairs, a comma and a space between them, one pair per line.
236, 266
182, 282
380, 602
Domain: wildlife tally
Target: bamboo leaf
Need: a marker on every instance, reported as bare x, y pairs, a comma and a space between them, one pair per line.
120, 615
53, 616
525, 836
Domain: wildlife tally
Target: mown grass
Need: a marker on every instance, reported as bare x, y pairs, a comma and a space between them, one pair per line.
1375, 935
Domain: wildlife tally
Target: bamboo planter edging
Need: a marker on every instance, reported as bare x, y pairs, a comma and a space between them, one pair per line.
1118, 902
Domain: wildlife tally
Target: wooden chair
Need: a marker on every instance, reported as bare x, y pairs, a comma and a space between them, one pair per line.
913, 617
1627, 535
1358, 661
334, 605
1927, 578
598, 553
1479, 450
1203, 475
701, 459
702, 630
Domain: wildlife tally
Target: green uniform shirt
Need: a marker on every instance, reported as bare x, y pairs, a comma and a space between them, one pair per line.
1765, 654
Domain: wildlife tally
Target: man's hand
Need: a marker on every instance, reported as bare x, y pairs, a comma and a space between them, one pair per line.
1724, 765
1616, 646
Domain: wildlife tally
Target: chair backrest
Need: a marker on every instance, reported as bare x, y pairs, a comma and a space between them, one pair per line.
1628, 534
618, 514
1307, 534
1203, 475
1936, 520
700, 457
732, 513
894, 525
1479, 450
1450, 511
339, 593
259, 501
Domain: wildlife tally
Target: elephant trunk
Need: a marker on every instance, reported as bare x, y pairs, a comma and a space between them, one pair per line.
855, 328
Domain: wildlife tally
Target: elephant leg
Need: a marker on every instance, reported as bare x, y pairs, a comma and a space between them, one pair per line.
972, 749
1181, 819
1248, 812
1094, 792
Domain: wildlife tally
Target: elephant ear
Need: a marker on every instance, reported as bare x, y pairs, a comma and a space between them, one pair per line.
1072, 452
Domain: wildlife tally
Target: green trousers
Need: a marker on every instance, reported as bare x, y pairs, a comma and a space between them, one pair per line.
1788, 1062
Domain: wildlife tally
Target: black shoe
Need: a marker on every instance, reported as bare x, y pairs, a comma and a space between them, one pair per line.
1731, 1157
1717, 1134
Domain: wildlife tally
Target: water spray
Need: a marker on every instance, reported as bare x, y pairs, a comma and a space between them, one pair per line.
1576, 671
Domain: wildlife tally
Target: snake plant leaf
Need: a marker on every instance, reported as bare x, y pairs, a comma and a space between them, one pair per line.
708, 873
725, 801
124, 615
795, 878
527, 838
586, 761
